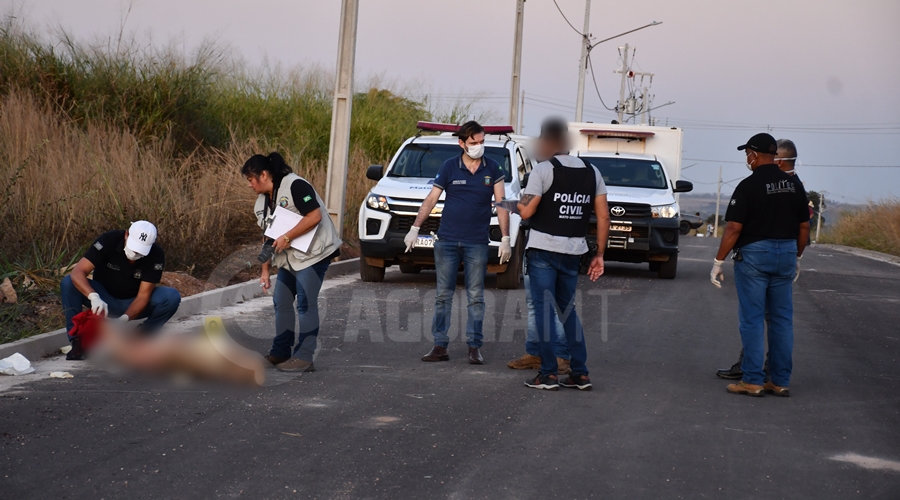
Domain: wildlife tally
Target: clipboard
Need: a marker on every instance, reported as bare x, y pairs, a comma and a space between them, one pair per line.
282, 221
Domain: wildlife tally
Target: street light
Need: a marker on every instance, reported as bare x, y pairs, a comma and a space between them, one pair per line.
585, 54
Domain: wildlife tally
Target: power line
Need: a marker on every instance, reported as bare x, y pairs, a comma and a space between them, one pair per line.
567, 19
594, 79
803, 165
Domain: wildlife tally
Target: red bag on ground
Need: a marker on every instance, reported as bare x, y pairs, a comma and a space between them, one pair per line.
86, 326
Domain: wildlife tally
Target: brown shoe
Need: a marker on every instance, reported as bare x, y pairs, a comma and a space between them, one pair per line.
437, 353
775, 390
296, 365
745, 388
563, 367
275, 360
526, 362
475, 356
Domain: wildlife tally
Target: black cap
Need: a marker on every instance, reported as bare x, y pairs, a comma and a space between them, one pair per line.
761, 143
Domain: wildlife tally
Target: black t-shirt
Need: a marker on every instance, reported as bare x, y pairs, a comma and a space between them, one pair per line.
121, 278
770, 204
304, 196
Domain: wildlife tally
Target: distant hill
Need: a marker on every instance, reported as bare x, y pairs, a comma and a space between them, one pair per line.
705, 203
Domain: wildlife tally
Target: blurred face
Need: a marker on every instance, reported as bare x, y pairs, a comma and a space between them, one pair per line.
261, 184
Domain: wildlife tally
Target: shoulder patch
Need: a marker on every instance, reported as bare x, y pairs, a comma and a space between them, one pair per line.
307, 198
733, 201
98, 245
157, 267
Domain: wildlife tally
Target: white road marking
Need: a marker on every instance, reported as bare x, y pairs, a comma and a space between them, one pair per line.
742, 430
868, 462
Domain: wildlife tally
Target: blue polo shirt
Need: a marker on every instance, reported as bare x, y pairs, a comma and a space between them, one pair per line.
466, 216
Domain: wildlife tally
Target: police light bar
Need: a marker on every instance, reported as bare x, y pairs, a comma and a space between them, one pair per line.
449, 127
617, 134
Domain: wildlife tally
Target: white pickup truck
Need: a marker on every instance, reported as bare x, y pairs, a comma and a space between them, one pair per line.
640, 166
390, 208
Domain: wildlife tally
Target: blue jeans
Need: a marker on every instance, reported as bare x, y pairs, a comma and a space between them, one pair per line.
447, 257
307, 295
531, 336
553, 279
763, 281
164, 301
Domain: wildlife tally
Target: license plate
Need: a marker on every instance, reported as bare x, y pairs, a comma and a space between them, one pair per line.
424, 242
624, 229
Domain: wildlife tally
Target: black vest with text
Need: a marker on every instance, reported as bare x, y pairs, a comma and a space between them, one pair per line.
565, 209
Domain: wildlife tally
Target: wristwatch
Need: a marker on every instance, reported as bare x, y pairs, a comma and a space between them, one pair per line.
286, 239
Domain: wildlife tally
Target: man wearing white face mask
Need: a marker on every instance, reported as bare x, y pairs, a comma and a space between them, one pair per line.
127, 265
786, 159
768, 226
469, 180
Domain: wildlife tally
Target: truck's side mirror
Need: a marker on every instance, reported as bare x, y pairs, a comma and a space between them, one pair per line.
683, 186
525, 179
376, 172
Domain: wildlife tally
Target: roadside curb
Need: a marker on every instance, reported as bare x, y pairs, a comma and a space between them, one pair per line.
48, 344
869, 254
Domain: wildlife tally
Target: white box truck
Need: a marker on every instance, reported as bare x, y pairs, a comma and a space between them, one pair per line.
640, 166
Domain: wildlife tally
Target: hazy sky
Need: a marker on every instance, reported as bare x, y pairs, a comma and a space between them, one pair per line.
823, 73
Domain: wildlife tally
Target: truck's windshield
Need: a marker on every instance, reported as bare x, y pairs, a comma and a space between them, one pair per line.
630, 172
424, 160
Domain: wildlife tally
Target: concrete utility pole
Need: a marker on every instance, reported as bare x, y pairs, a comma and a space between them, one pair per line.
521, 124
585, 47
718, 197
645, 105
516, 66
821, 208
624, 72
339, 146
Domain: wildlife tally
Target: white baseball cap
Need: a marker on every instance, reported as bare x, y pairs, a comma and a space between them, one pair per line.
141, 236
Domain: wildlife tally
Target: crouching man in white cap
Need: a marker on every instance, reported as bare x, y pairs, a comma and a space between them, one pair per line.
127, 266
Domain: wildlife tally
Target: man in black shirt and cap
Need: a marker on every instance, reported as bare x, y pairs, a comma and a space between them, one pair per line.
768, 227
786, 159
127, 265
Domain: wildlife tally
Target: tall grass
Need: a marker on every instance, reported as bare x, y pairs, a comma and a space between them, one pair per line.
874, 227
93, 136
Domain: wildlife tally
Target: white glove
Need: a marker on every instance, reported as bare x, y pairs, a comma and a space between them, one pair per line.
410, 238
123, 319
716, 276
797, 274
97, 305
505, 250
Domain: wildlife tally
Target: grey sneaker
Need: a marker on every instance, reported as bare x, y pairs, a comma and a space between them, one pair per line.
296, 365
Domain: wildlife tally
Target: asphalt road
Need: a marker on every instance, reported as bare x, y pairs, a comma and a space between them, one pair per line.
375, 422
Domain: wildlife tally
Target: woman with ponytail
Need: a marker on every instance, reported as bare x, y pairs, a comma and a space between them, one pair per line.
300, 274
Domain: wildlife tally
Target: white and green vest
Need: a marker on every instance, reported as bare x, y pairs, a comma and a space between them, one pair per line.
325, 242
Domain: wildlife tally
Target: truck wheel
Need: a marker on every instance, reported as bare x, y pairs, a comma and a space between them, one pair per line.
409, 269
667, 269
684, 228
369, 273
510, 279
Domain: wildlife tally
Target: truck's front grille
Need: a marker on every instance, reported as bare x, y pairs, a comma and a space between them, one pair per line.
617, 242
631, 210
404, 222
